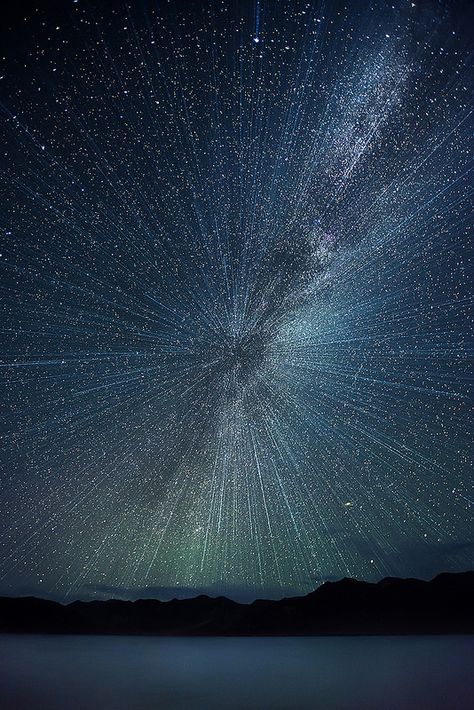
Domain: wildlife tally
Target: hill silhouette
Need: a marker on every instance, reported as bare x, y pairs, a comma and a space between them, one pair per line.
347, 607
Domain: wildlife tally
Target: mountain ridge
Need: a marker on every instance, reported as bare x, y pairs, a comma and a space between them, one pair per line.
346, 607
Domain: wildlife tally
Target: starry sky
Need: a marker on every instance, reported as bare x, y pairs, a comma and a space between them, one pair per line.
235, 303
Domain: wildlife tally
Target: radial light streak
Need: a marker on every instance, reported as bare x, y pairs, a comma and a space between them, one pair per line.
235, 347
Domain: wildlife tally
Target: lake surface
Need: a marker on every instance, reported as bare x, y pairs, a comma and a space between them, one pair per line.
152, 673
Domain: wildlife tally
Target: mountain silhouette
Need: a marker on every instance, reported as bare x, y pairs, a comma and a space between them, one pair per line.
347, 607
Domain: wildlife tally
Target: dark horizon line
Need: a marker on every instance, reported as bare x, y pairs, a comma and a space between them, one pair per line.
216, 596
348, 607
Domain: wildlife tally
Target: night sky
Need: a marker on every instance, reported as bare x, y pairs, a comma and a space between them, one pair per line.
235, 304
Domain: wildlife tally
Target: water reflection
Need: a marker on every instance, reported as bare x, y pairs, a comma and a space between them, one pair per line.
115, 673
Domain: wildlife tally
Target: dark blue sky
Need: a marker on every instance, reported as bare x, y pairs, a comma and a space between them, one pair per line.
235, 299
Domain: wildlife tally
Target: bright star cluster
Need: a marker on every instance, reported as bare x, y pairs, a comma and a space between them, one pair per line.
235, 319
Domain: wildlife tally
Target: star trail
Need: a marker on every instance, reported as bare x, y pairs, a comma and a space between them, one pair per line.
235, 350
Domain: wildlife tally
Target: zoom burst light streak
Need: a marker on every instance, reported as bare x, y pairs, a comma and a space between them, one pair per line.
235, 296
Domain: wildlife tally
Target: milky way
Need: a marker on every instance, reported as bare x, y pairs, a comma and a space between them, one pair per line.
235, 300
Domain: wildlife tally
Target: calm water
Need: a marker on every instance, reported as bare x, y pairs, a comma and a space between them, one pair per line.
115, 673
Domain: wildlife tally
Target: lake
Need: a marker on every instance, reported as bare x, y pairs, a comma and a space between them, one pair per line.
156, 673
